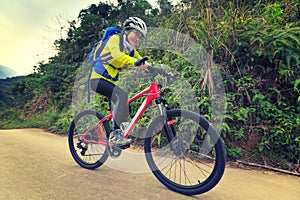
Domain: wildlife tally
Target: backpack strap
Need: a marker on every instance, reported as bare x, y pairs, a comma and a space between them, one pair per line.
91, 62
95, 59
89, 85
121, 41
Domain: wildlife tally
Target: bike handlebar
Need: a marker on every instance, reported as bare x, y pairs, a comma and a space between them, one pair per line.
160, 71
154, 70
141, 61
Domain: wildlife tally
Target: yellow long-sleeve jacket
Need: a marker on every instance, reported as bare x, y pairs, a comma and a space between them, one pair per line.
113, 58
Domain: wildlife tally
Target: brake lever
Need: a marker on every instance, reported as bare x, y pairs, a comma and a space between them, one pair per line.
171, 76
161, 70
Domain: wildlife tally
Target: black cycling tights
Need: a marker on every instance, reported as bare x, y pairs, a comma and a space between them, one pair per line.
117, 95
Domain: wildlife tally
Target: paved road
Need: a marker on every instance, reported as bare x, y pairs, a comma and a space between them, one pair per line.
37, 165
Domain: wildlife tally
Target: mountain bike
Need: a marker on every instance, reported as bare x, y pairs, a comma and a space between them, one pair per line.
183, 150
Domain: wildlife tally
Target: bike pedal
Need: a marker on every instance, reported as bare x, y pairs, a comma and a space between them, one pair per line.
125, 146
114, 151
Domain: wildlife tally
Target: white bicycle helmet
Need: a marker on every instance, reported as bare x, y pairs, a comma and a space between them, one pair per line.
136, 23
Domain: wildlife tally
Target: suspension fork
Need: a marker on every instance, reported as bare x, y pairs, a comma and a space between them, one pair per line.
170, 129
168, 122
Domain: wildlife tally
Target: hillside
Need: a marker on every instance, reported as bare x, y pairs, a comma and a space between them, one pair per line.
7, 72
251, 49
5, 91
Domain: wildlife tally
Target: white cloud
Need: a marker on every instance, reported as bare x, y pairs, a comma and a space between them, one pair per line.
29, 28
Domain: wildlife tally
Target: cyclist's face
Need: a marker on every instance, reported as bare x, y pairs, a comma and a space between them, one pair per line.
134, 37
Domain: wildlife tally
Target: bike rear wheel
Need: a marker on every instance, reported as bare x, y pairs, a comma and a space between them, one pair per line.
87, 139
185, 152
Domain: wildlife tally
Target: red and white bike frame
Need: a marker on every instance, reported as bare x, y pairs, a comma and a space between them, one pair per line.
152, 93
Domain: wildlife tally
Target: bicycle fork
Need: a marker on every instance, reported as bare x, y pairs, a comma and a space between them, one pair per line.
176, 144
168, 123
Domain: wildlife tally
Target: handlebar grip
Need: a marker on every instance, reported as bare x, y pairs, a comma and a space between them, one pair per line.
141, 61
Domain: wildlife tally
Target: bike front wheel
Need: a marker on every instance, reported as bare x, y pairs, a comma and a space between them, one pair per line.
185, 152
87, 139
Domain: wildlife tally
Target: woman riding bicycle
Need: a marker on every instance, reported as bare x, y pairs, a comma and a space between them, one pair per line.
119, 52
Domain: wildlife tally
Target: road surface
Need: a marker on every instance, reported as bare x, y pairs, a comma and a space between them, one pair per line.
38, 165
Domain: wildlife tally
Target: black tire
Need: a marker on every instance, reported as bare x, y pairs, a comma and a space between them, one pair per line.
89, 155
190, 163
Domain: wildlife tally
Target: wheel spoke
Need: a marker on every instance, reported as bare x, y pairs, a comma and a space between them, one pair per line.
187, 162
86, 141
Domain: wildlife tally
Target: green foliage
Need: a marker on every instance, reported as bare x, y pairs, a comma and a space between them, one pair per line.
234, 153
255, 45
5, 91
62, 123
259, 49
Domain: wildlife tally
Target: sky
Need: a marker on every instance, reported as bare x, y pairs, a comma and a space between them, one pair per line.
28, 29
